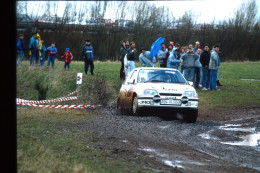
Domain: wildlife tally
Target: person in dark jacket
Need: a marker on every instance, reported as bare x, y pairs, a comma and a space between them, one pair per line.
204, 60
219, 53
123, 51
20, 49
88, 56
130, 59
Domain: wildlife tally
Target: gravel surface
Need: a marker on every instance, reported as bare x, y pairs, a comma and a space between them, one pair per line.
213, 144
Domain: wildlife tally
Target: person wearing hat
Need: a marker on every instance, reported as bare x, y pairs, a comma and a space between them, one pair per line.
67, 58
42, 54
88, 56
173, 61
145, 59
20, 49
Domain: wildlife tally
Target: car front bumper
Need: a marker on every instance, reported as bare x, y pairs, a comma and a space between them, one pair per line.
149, 102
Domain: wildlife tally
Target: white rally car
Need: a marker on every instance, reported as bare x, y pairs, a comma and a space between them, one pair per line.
156, 89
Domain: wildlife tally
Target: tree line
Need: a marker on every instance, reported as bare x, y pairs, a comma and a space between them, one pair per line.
239, 36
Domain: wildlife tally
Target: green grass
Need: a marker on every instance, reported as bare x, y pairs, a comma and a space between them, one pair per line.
48, 141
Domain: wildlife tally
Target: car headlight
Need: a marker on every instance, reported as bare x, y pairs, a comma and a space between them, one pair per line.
150, 92
190, 94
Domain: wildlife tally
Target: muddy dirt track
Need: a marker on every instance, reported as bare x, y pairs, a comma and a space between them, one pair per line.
220, 141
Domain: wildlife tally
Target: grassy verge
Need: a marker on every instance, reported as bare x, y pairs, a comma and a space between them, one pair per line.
49, 141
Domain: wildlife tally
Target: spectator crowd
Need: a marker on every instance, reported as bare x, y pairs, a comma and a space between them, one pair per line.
197, 65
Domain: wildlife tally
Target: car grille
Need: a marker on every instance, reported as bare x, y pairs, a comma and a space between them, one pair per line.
167, 94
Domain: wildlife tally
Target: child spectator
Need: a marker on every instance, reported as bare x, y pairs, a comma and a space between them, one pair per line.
67, 58
52, 51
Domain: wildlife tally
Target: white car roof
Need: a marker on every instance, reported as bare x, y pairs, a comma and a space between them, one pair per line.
155, 68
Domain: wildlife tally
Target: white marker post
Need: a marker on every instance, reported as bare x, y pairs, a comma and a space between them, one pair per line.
79, 80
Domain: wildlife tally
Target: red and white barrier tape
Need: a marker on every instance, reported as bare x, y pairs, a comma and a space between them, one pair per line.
61, 106
73, 92
18, 100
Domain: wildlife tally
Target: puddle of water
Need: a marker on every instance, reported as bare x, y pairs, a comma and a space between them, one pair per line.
235, 127
148, 149
251, 79
248, 140
164, 127
205, 135
172, 164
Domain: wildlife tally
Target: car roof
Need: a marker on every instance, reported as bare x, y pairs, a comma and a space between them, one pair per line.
155, 68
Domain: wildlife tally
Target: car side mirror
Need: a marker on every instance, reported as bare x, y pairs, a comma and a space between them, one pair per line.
131, 82
190, 83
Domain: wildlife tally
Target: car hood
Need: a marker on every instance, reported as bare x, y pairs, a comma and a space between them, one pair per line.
165, 87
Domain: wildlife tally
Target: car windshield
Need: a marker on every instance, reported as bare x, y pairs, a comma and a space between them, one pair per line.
157, 75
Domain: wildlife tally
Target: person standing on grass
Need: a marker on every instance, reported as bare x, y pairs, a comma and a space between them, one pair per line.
189, 59
42, 57
67, 58
169, 52
20, 49
161, 55
197, 65
218, 83
123, 51
33, 46
213, 66
145, 59
204, 60
183, 50
88, 56
173, 61
38, 53
130, 65
52, 51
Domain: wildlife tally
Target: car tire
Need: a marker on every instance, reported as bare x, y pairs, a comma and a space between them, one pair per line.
191, 116
135, 109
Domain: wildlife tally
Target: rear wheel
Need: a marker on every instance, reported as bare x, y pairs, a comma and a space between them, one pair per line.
191, 116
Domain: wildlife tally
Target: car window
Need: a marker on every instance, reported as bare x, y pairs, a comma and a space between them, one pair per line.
157, 75
132, 77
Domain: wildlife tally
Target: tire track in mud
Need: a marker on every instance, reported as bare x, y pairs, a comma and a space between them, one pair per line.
178, 146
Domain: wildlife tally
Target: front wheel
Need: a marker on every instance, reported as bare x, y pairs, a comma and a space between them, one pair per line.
135, 109
191, 116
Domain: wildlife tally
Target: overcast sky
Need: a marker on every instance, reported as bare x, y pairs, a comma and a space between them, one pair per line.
205, 10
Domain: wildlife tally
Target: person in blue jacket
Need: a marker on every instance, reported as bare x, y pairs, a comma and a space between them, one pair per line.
173, 61
88, 56
145, 59
52, 51
20, 49
33, 46
42, 57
